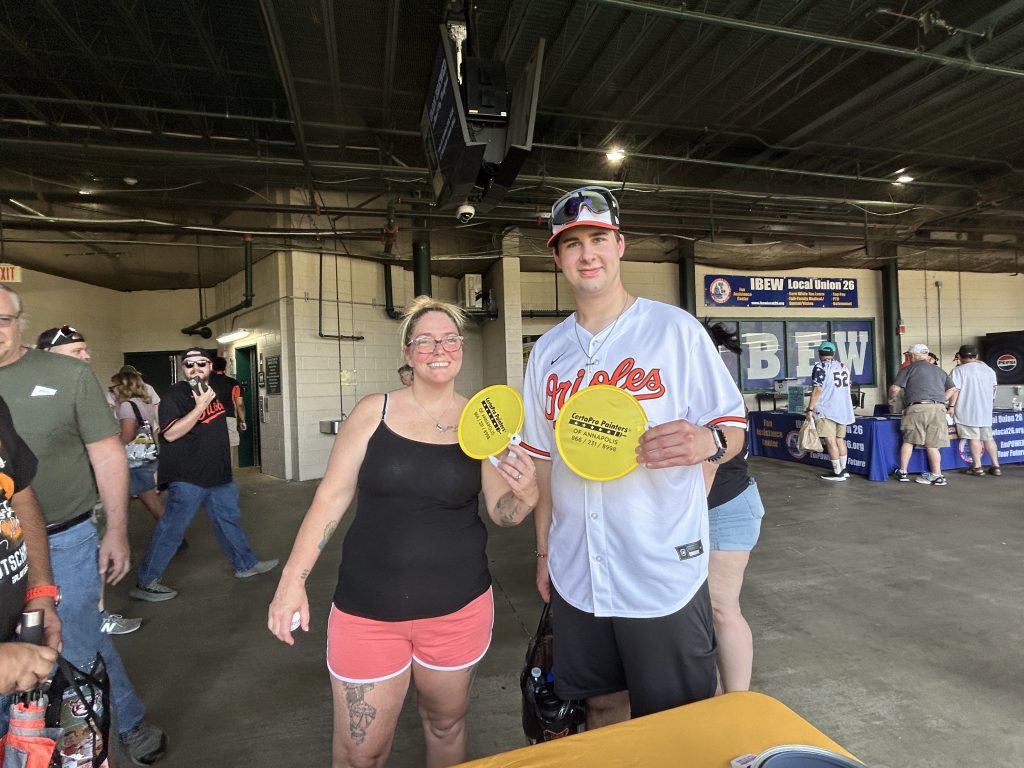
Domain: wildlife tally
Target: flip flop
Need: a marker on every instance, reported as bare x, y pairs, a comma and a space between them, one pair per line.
995, 471
975, 472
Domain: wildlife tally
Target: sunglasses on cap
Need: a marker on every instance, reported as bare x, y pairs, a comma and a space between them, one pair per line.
597, 200
66, 332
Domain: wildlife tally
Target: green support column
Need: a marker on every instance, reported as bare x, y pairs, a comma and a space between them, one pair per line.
892, 343
687, 278
421, 268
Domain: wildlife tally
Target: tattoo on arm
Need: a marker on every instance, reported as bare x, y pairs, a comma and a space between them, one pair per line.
508, 508
328, 532
305, 574
360, 714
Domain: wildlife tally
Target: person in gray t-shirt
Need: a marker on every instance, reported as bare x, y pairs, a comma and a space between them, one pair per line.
927, 391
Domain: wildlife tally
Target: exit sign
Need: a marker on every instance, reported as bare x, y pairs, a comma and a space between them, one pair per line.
10, 273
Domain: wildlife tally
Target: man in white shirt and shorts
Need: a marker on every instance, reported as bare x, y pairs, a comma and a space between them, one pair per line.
624, 562
972, 409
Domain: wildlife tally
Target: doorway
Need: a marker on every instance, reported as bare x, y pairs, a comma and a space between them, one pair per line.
158, 369
246, 367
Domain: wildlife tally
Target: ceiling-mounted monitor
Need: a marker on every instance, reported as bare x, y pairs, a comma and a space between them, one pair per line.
474, 155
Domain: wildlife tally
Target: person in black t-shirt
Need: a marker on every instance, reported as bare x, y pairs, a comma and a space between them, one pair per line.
195, 468
229, 392
734, 520
25, 579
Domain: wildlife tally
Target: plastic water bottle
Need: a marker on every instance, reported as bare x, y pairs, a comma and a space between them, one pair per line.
548, 704
1016, 403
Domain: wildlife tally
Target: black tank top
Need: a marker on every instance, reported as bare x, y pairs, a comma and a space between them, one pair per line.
417, 546
731, 479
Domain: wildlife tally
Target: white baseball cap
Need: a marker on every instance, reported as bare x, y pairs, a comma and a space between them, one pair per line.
919, 349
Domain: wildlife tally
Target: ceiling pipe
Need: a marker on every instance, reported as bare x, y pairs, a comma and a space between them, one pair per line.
752, 167
415, 175
199, 326
814, 37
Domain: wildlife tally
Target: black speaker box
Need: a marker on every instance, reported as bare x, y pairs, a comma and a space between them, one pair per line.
1004, 353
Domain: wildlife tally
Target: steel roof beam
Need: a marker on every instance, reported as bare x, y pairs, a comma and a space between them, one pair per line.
814, 37
390, 57
15, 42
276, 42
86, 50
144, 44
199, 19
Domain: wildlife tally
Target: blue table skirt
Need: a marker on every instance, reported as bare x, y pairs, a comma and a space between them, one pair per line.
873, 443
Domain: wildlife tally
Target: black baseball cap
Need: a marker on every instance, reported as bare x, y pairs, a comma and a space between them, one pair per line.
57, 337
967, 350
196, 352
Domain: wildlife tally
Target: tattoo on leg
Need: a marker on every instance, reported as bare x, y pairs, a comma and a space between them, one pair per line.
328, 531
360, 714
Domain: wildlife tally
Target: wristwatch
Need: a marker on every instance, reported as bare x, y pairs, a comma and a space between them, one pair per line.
720, 443
44, 590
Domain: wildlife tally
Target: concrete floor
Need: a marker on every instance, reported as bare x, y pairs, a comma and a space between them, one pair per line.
889, 615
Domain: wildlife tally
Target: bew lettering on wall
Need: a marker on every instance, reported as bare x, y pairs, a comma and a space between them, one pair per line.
766, 342
763, 357
853, 349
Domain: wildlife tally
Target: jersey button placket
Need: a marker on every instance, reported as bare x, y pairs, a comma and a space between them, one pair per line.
597, 543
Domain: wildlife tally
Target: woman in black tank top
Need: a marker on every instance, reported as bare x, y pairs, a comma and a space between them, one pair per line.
416, 548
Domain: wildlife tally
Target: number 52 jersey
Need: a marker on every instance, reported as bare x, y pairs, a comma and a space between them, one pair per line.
835, 403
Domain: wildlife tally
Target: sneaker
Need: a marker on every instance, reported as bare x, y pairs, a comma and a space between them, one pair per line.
834, 477
154, 592
116, 624
262, 566
902, 476
932, 480
145, 743
926, 477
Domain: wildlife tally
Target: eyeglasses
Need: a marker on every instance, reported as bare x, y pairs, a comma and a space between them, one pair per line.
425, 345
597, 199
195, 364
6, 321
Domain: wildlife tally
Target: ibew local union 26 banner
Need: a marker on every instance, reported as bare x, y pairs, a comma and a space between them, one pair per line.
758, 291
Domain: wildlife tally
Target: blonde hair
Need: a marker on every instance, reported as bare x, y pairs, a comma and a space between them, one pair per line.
129, 385
422, 305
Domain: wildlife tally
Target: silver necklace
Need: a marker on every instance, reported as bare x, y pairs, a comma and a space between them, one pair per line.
442, 428
591, 358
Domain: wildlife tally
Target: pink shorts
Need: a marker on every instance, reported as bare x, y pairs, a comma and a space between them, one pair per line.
367, 651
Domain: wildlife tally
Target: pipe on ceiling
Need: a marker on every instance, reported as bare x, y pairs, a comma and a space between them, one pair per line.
199, 325
814, 37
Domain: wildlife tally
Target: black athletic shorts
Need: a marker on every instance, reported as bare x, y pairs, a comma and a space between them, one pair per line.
664, 662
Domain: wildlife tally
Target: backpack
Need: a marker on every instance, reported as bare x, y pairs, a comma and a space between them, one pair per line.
142, 449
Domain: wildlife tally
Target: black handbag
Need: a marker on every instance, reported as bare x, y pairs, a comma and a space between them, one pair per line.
79, 704
545, 716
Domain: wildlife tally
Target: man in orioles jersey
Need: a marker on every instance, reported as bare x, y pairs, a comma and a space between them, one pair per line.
831, 407
625, 562
195, 468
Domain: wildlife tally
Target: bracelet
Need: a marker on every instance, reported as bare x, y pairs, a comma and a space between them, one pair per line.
541, 554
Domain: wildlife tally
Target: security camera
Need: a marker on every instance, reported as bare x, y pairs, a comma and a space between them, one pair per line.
464, 213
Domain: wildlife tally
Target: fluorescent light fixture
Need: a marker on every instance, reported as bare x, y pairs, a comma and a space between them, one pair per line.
904, 178
616, 155
235, 335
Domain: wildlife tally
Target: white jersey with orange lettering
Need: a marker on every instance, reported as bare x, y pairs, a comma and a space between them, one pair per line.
832, 377
636, 546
